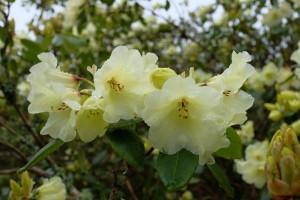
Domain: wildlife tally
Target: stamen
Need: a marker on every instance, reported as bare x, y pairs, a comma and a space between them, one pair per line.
227, 92
62, 107
183, 109
115, 85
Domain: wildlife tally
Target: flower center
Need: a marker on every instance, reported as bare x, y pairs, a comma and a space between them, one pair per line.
93, 113
115, 85
227, 92
62, 107
183, 109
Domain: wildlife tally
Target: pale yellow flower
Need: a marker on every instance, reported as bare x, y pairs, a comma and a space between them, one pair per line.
252, 168
246, 133
53, 189
123, 81
51, 89
269, 74
23, 88
235, 102
180, 115
89, 120
61, 125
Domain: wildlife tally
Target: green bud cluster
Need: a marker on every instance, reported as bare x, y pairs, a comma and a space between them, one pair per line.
287, 104
283, 165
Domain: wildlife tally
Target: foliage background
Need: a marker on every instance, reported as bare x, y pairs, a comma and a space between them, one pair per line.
85, 33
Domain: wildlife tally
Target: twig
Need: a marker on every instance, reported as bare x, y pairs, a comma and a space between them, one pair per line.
15, 150
8, 171
39, 171
130, 188
128, 183
8, 128
27, 124
35, 170
115, 186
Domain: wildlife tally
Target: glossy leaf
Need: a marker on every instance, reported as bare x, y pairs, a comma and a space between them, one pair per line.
221, 178
234, 151
176, 170
127, 144
42, 154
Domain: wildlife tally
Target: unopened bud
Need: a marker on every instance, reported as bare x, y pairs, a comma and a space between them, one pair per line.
270, 106
159, 76
275, 115
283, 165
296, 127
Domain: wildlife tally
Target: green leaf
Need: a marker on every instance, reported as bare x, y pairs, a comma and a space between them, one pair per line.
124, 123
127, 144
167, 6
42, 154
108, 2
234, 151
176, 170
221, 178
74, 40
58, 40
2, 34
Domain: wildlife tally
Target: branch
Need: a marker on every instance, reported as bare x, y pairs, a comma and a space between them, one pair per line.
115, 186
130, 188
35, 170
27, 124
15, 150
8, 128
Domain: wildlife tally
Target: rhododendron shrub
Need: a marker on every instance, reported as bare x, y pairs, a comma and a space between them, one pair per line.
149, 100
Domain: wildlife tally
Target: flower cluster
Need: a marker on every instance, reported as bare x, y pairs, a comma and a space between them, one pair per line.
252, 168
287, 104
180, 112
52, 189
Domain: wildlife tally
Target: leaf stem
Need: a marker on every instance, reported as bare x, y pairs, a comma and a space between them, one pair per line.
86, 81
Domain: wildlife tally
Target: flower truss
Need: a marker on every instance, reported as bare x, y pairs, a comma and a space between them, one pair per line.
180, 112
252, 168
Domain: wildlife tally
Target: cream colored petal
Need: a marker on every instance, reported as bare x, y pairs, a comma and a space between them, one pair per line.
48, 58
125, 106
60, 125
239, 102
90, 124
149, 61
43, 100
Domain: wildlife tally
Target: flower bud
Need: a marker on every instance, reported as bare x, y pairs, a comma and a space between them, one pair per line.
270, 106
187, 195
275, 115
283, 165
22, 191
296, 127
160, 75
